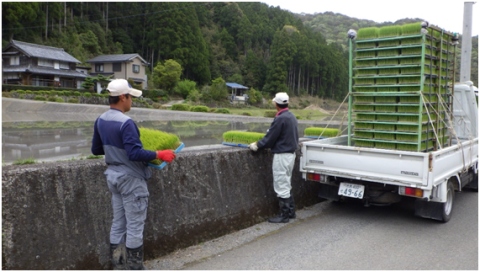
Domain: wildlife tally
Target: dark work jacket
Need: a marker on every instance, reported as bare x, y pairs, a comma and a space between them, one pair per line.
282, 136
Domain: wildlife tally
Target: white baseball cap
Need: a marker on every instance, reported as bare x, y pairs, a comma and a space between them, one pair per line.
117, 87
281, 98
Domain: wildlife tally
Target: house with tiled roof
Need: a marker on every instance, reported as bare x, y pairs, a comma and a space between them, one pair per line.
39, 65
127, 66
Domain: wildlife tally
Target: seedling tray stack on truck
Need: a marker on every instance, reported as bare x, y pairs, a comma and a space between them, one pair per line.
412, 132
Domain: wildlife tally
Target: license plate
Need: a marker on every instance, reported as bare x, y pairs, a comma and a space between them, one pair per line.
351, 190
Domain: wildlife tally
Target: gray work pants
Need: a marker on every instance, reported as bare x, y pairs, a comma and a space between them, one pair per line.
129, 203
282, 168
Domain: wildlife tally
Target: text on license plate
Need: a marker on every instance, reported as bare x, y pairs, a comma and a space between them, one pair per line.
351, 190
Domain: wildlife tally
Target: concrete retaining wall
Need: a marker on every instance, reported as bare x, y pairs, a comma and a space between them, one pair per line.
57, 215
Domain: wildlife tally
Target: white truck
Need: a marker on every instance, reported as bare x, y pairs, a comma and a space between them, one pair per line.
384, 176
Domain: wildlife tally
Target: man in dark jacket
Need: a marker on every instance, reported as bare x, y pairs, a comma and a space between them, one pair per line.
282, 139
116, 136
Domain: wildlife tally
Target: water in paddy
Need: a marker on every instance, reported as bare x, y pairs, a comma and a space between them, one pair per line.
65, 140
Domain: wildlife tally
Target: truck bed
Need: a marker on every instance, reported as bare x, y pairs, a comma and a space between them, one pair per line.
332, 157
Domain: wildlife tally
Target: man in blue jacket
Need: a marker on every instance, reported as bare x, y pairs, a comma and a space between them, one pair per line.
117, 137
282, 139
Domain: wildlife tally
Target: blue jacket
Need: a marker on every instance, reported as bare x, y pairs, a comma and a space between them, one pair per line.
116, 136
282, 136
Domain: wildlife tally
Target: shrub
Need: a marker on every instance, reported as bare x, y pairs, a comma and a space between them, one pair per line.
222, 110
199, 109
40, 98
181, 107
246, 114
72, 100
270, 113
85, 94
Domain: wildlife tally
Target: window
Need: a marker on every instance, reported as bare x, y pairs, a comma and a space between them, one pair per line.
99, 67
136, 68
117, 67
45, 62
64, 65
15, 60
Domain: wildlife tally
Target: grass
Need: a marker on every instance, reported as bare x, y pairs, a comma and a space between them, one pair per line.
304, 114
24, 161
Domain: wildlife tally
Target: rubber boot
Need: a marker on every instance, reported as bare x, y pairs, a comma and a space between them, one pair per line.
135, 258
284, 212
118, 256
291, 206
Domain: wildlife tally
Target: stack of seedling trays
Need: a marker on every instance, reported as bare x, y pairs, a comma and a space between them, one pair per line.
402, 82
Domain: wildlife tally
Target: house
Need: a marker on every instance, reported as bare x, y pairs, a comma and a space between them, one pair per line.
238, 93
127, 66
39, 65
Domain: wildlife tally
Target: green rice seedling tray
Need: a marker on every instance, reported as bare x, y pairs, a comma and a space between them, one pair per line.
163, 164
241, 138
316, 132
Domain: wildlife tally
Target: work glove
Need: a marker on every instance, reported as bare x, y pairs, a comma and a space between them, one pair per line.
166, 155
253, 146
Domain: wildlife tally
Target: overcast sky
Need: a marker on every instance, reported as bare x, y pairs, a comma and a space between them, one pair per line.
446, 14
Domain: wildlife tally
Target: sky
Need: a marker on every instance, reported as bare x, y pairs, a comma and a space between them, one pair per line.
446, 14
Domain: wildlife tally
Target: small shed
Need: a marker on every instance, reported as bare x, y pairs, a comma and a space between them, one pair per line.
237, 93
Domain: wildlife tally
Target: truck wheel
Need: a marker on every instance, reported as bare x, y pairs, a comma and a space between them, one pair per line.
447, 207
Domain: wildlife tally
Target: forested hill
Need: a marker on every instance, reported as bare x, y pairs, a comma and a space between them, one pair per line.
251, 43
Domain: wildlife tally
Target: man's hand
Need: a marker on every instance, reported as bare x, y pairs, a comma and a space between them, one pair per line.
166, 155
253, 146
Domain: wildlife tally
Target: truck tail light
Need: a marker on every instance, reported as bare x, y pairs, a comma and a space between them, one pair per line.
409, 191
313, 176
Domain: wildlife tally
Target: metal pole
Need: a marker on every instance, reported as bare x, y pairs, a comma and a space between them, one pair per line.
466, 42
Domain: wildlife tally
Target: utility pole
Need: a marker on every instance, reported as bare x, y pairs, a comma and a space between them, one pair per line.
465, 61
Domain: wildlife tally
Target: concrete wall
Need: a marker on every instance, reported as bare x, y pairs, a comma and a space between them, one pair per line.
57, 215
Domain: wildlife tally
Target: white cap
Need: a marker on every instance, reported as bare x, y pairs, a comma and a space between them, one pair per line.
281, 98
117, 87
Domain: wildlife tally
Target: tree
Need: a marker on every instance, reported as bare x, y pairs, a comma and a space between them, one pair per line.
167, 75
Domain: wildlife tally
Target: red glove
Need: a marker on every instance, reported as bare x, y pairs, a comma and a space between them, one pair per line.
166, 155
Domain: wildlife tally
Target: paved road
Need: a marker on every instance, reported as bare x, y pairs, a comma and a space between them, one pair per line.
330, 236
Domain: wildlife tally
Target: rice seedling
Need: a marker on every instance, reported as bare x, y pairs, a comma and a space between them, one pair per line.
387, 62
365, 54
367, 33
411, 70
414, 79
406, 128
384, 127
389, 31
383, 108
385, 145
388, 43
408, 119
388, 53
364, 89
411, 29
387, 81
386, 99
319, 131
387, 89
363, 143
363, 134
411, 41
408, 109
153, 140
365, 63
416, 60
389, 71
366, 72
365, 117
362, 125
412, 51
360, 107
364, 81
364, 99
386, 118
406, 147
407, 138
366, 45
408, 89
242, 137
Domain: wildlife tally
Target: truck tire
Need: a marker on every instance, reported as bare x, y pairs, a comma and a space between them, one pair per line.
447, 207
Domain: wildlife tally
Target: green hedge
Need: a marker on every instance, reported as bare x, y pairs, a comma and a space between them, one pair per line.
181, 107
